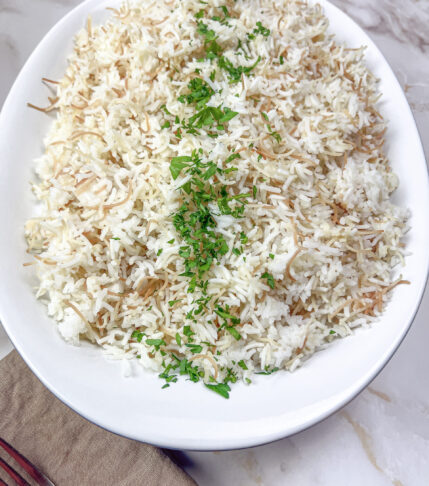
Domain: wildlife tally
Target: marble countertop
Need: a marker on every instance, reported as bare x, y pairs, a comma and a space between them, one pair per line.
382, 437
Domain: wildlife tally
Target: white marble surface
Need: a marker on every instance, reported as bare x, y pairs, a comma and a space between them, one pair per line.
382, 437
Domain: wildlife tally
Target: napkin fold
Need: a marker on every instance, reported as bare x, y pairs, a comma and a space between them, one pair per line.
70, 450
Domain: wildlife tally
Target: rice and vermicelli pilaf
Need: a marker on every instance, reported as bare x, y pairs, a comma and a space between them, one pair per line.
215, 195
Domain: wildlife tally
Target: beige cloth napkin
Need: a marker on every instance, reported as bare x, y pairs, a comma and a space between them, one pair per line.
67, 448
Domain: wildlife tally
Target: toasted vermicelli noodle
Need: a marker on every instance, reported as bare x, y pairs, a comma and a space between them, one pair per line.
311, 255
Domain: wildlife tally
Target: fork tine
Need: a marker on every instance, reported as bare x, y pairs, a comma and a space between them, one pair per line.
13, 474
25, 464
2, 483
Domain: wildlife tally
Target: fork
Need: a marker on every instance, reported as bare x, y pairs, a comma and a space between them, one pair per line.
38, 477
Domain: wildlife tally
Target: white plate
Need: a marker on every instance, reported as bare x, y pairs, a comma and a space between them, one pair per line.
5, 345
186, 415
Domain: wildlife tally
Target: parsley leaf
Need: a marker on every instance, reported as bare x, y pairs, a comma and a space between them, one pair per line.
155, 342
177, 164
138, 336
260, 29
268, 372
234, 333
195, 348
235, 72
242, 365
221, 388
187, 331
164, 108
270, 279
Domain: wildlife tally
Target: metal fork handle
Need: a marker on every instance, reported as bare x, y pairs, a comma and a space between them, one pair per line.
13, 474
31, 469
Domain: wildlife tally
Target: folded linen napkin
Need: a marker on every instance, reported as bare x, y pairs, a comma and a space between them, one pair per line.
66, 447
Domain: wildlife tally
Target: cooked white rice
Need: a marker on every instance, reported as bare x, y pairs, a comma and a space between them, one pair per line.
321, 222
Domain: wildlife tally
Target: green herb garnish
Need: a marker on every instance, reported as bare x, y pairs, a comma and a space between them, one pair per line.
267, 371
164, 109
260, 29
195, 348
233, 71
155, 342
221, 388
270, 279
242, 365
138, 336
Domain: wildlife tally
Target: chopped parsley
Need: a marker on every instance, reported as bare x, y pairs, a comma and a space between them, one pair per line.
273, 134
194, 348
243, 238
268, 371
259, 30
187, 331
200, 93
204, 196
242, 365
177, 164
194, 221
138, 336
221, 388
270, 279
164, 109
235, 72
156, 342
229, 321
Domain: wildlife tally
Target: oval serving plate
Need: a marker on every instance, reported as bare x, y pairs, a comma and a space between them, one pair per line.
186, 416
